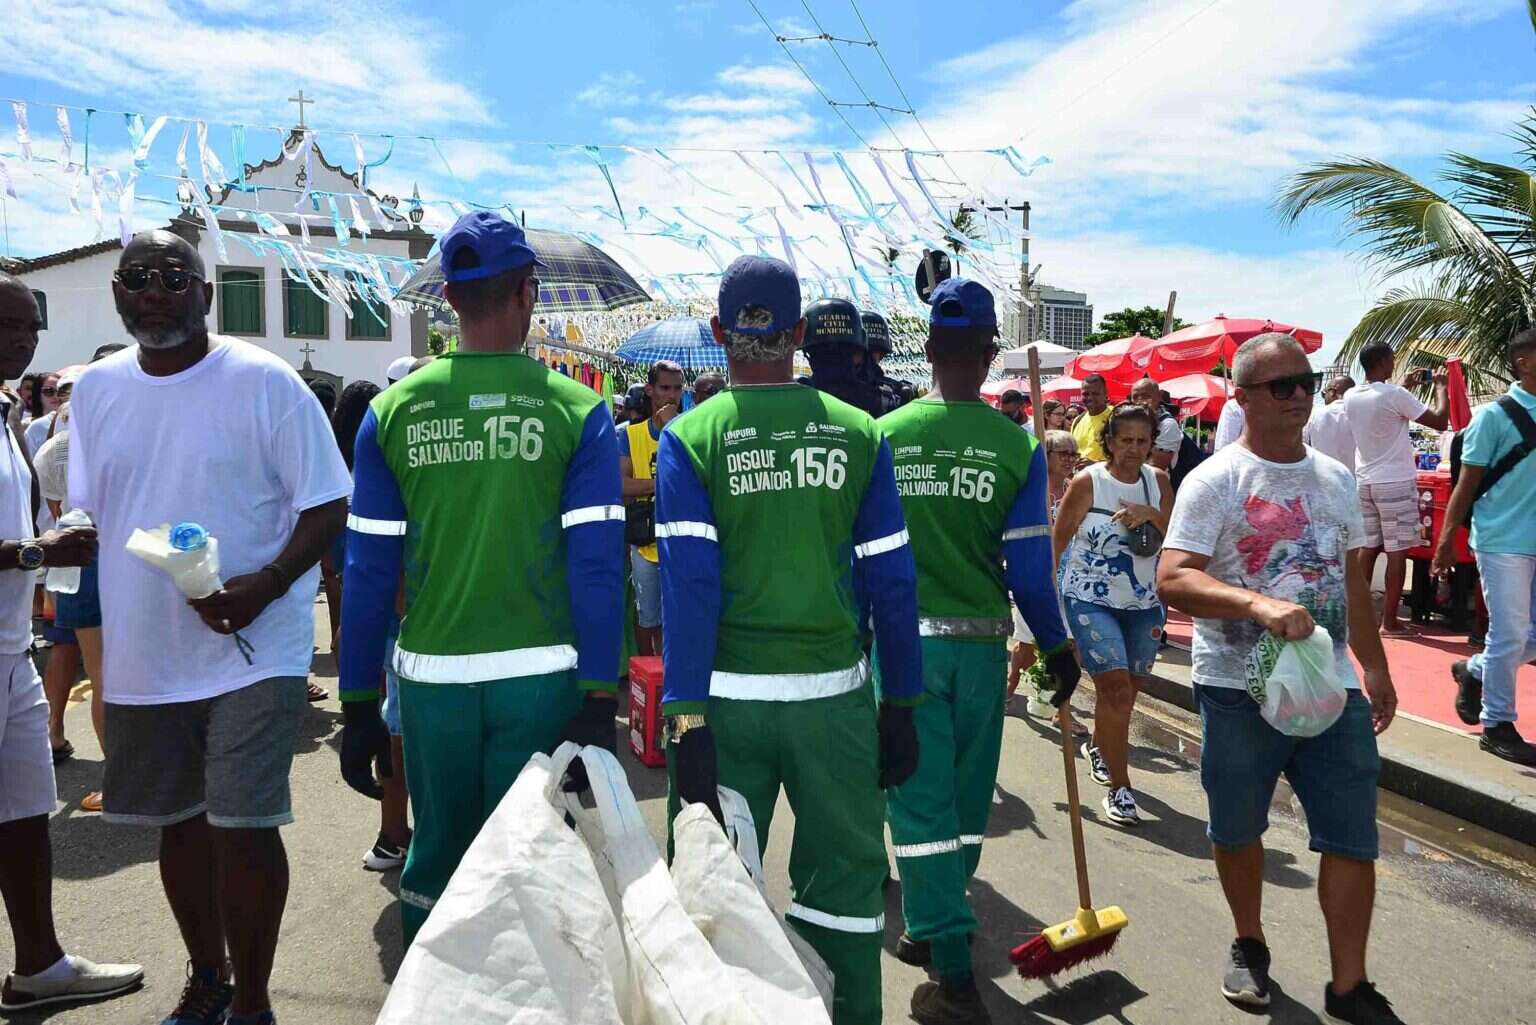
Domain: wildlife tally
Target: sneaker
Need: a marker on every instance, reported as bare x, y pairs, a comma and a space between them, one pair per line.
948, 1002
1360, 1006
77, 979
204, 1000
1469, 693
385, 855
1247, 978
1121, 808
918, 953
1502, 740
1039, 708
1097, 766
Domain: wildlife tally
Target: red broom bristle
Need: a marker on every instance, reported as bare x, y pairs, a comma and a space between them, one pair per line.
1036, 959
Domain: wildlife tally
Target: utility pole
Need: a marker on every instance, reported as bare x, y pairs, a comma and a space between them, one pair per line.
1173, 297
1028, 298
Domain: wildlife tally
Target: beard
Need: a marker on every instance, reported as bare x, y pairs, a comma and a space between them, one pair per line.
168, 336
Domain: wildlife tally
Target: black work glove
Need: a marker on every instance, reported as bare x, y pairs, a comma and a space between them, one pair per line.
898, 744
364, 740
698, 774
1062, 669
592, 725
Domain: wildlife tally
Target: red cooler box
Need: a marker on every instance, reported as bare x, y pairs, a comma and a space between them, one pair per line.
645, 733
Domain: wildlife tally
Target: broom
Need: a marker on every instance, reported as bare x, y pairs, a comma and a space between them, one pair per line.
1091, 932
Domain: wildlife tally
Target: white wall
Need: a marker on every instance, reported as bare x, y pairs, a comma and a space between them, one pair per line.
82, 316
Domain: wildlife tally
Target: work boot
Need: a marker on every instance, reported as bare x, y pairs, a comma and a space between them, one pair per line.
1504, 741
917, 953
949, 1002
1469, 693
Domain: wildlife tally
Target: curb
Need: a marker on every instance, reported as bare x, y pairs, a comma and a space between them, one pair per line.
1493, 806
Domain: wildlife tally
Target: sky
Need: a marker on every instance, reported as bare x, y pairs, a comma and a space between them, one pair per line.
1168, 124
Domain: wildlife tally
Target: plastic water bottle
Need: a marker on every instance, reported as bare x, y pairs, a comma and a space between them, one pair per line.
66, 579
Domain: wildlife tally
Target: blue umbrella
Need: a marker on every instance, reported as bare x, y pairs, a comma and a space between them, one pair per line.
686, 341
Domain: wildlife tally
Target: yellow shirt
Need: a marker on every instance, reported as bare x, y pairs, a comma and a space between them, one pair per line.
642, 457
1086, 432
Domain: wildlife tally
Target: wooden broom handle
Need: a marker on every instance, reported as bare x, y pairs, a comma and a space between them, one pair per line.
1064, 715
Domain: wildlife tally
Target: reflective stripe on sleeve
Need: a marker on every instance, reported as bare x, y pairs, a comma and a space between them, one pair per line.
384, 528
881, 545
688, 528
923, 850
1020, 533
841, 923
592, 514
971, 839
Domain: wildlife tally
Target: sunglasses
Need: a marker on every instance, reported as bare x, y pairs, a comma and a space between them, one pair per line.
173, 280
1283, 388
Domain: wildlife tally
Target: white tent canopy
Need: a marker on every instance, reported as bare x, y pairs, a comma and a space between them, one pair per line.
1053, 357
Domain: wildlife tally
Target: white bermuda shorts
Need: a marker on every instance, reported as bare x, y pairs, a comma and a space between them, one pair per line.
27, 788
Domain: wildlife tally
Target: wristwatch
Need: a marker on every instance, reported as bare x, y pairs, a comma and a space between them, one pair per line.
679, 724
29, 554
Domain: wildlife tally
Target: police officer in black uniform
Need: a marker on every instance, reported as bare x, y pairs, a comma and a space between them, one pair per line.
839, 356
877, 336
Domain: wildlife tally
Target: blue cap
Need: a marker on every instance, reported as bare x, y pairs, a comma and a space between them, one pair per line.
498, 244
760, 281
960, 302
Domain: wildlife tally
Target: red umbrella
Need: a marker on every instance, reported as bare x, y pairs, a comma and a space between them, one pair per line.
1456, 389
1198, 348
1198, 395
1065, 389
992, 391
1114, 359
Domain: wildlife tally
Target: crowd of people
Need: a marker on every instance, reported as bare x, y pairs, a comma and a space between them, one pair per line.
832, 595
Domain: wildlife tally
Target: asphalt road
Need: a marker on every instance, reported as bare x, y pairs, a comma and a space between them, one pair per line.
1454, 937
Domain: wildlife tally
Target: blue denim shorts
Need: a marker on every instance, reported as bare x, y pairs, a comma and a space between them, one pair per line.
1110, 639
645, 575
390, 708
83, 608
1333, 774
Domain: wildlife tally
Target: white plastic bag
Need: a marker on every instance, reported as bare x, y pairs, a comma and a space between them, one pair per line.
675, 976
195, 571
727, 904
524, 934
1296, 683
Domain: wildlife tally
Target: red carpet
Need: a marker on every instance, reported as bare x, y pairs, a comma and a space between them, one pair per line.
1421, 669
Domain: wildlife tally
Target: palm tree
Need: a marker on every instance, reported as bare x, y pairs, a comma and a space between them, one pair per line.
964, 221
1469, 249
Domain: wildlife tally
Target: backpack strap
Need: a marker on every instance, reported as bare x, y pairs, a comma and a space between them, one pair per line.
1515, 456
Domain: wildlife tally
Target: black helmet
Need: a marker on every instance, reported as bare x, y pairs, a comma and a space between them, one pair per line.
876, 332
833, 322
634, 398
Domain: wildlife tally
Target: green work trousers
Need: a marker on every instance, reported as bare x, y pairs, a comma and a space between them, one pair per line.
939, 816
825, 753
465, 744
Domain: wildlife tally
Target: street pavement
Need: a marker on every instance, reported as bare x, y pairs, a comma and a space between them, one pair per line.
1454, 937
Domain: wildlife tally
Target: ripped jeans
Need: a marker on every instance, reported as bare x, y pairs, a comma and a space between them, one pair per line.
1109, 639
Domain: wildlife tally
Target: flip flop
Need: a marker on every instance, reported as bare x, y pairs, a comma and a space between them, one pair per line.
63, 753
1401, 632
91, 801
317, 693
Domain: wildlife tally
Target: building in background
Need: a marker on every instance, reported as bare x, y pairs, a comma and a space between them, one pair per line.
1061, 316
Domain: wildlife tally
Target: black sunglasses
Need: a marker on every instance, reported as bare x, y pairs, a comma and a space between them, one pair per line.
173, 280
1283, 388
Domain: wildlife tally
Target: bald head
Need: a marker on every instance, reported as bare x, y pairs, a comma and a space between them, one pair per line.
1147, 393
146, 243
1335, 389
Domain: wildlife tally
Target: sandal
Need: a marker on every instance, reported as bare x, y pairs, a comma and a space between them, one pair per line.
63, 753
317, 693
91, 801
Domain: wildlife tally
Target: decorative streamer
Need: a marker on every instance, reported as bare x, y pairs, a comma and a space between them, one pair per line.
831, 210
923, 188
788, 204
338, 224
1016, 160
143, 140
684, 169
125, 209
96, 212
74, 189
61, 117
796, 175
789, 250
212, 224
864, 199
181, 154
358, 149
724, 238
207, 159
23, 132
5, 180
358, 220
596, 154
304, 148
237, 145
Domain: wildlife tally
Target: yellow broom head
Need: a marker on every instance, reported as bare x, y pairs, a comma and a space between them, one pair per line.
1081, 938
1087, 925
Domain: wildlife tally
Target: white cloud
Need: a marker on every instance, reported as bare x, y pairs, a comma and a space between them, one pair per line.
777, 78
170, 57
612, 89
719, 103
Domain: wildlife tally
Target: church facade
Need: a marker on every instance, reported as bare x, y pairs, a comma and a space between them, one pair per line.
253, 298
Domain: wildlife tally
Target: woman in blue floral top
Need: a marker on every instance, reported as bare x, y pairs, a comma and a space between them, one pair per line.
1110, 592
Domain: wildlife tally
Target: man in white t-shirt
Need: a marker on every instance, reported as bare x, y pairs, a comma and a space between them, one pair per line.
1260, 546
1328, 428
1229, 426
205, 696
1386, 469
44, 974
1169, 436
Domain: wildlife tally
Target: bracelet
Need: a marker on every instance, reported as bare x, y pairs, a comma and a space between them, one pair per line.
282, 577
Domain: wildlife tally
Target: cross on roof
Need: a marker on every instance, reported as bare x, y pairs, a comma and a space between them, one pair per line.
302, 101
308, 351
